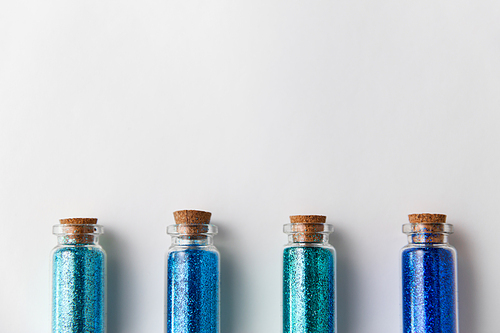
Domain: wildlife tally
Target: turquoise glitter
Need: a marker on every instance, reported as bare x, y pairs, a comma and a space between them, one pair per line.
193, 291
429, 290
308, 290
78, 289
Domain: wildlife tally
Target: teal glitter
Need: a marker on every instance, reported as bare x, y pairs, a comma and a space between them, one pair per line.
78, 289
193, 291
429, 290
308, 290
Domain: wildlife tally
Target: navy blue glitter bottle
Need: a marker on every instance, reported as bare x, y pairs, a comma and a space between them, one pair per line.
78, 278
429, 276
309, 302
192, 275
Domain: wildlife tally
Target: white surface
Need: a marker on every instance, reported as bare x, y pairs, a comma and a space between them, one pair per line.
364, 111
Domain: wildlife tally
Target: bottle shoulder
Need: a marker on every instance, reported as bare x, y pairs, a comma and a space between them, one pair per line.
193, 248
79, 249
309, 248
327, 246
428, 248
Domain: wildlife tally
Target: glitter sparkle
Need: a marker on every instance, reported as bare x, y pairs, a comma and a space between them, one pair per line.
193, 291
78, 290
429, 290
308, 290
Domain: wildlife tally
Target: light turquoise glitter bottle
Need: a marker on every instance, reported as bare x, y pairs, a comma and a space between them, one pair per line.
309, 296
78, 278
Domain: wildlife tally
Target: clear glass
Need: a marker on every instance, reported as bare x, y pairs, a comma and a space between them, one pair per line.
192, 280
78, 280
309, 280
429, 280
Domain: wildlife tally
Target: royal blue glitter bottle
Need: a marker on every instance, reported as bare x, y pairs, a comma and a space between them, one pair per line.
309, 301
429, 276
192, 275
78, 278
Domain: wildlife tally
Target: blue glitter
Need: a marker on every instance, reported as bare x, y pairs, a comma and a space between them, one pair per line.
429, 290
78, 289
193, 291
308, 290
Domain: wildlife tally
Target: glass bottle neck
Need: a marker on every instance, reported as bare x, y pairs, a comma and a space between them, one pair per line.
427, 233
308, 233
77, 234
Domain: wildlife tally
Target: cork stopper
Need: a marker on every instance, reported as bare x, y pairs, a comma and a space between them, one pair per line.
192, 217
192, 222
308, 228
79, 220
427, 218
80, 230
308, 219
428, 228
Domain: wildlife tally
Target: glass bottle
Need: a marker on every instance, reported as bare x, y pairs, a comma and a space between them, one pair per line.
78, 277
429, 276
192, 275
309, 276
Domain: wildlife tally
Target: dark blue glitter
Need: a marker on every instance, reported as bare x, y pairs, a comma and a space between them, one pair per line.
429, 290
308, 290
78, 289
193, 291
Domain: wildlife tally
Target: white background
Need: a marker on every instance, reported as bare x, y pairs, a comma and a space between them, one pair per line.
364, 111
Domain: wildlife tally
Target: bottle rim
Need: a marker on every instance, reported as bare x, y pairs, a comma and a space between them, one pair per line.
308, 228
427, 228
77, 229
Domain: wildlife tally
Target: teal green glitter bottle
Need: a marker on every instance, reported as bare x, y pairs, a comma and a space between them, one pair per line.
309, 297
78, 278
